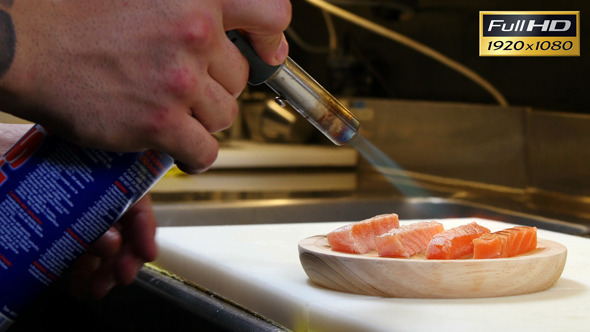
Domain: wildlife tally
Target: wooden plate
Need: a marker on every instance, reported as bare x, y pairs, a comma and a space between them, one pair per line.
417, 277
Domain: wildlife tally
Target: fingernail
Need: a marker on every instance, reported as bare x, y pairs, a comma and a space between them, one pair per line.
282, 51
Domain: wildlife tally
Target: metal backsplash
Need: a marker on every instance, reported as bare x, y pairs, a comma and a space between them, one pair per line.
475, 143
508, 148
559, 152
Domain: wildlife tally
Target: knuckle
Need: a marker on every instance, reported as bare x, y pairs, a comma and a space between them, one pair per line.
180, 81
198, 32
155, 125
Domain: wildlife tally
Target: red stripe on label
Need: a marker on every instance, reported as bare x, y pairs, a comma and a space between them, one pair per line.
13, 195
77, 238
31, 214
5, 260
25, 207
121, 187
44, 270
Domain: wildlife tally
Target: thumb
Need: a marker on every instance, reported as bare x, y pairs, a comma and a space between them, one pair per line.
273, 49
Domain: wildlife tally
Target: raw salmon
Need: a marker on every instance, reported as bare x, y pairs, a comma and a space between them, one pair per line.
505, 243
359, 237
455, 242
407, 240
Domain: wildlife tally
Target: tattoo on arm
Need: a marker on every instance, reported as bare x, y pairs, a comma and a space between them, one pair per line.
7, 40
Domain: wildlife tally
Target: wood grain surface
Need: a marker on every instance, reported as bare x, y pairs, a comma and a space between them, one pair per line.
417, 277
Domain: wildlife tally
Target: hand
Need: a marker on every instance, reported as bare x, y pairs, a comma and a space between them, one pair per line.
116, 257
132, 75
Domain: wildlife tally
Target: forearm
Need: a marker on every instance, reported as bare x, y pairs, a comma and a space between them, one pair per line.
7, 42
13, 57
7, 45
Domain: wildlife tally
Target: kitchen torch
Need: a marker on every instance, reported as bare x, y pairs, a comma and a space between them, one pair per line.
294, 86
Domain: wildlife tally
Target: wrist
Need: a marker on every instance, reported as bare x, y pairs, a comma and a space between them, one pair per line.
7, 42
16, 73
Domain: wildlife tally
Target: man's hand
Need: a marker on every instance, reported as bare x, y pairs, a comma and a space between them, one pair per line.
133, 75
116, 257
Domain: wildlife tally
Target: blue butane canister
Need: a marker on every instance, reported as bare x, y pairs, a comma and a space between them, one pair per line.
56, 199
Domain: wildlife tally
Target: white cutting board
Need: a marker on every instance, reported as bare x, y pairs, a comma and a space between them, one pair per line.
258, 266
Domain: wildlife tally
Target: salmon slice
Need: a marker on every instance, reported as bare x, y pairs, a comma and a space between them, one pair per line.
407, 240
455, 242
359, 237
505, 243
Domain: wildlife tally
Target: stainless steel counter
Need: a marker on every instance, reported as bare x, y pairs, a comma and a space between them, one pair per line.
311, 195
307, 210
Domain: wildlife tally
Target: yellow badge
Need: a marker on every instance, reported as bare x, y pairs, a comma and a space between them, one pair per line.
529, 33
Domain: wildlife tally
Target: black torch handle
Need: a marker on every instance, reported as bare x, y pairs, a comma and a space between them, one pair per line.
260, 71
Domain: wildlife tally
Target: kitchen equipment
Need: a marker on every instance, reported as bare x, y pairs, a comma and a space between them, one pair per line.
295, 87
280, 124
266, 121
417, 277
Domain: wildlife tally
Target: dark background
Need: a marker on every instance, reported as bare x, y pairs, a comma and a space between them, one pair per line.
369, 65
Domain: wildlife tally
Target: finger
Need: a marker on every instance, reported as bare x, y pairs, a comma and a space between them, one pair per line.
127, 266
103, 279
198, 149
205, 88
257, 16
213, 95
263, 21
82, 271
224, 63
273, 49
108, 244
231, 70
139, 230
218, 111
137, 226
214, 104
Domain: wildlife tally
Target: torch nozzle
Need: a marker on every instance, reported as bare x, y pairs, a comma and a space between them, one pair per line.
293, 85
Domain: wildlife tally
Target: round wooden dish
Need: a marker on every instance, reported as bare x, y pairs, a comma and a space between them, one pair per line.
417, 277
